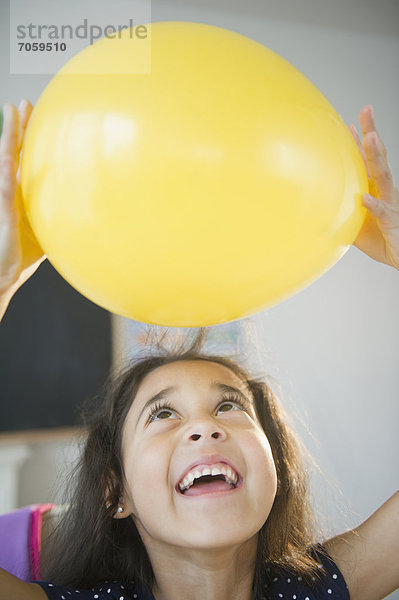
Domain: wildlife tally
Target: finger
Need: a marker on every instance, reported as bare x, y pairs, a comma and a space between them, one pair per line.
375, 206
8, 204
9, 136
366, 119
382, 181
387, 216
367, 125
25, 110
357, 139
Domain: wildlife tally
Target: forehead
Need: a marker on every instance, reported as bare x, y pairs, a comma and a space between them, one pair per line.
189, 376
201, 373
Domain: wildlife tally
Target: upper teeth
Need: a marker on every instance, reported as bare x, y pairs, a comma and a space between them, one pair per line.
200, 470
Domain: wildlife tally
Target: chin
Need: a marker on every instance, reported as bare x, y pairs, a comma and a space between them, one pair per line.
216, 537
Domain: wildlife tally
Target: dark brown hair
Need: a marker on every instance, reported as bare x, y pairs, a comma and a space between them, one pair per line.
90, 546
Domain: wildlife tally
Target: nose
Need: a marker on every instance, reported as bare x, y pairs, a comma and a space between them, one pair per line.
206, 429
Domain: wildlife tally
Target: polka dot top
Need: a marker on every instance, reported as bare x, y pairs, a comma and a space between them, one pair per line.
285, 586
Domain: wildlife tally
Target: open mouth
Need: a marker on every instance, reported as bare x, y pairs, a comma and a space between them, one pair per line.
209, 480
209, 484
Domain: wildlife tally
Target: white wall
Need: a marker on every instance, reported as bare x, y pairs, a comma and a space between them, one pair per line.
334, 346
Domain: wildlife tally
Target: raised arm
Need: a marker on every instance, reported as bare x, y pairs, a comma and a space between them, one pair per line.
368, 556
20, 254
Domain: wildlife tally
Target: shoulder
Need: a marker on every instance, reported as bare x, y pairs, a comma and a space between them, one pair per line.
108, 590
329, 584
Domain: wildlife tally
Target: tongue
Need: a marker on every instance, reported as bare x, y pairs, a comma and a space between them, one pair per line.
203, 487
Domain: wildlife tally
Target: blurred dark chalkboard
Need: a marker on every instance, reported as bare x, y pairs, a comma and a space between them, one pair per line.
55, 351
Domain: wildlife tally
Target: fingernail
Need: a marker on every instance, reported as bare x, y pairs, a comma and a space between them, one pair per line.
371, 110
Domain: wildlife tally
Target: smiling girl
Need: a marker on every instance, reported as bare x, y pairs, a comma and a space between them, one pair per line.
191, 484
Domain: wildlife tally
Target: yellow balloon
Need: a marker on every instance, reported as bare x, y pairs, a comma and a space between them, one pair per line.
208, 189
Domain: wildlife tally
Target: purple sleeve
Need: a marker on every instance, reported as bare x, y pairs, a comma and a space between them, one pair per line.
14, 542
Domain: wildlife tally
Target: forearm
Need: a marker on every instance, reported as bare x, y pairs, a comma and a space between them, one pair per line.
368, 556
12, 587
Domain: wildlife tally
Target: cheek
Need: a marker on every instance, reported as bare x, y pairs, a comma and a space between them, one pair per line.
146, 471
262, 480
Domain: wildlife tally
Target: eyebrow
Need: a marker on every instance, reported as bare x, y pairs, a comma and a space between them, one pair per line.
215, 385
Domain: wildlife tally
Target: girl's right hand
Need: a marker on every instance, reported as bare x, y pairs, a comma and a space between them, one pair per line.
20, 253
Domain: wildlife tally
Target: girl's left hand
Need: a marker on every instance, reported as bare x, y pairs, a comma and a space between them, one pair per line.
379, 236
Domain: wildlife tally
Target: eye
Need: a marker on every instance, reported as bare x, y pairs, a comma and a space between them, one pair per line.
234, 401
160, 411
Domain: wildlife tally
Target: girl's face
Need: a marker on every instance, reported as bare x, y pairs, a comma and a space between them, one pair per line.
206, 416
